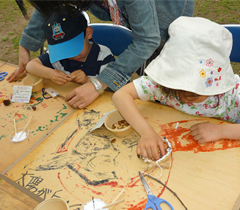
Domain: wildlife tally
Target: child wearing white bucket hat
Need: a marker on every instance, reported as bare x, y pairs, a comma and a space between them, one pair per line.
193, 74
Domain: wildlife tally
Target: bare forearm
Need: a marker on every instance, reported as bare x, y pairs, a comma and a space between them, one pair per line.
230, 131
124, 101
36, 68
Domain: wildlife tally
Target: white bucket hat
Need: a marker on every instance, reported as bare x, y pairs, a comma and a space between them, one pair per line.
195, 58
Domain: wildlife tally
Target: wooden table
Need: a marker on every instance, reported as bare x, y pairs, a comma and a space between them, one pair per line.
49, 113
15, 197
75, 164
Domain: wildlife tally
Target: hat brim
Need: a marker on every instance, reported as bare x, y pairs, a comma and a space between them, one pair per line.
68, 49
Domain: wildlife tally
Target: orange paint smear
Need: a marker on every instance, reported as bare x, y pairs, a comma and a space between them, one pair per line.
139, 206
182, 140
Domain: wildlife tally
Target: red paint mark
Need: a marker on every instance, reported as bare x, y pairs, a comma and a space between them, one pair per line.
65, 187
93, 191
78, 166
18, 115
134, 183
33, 99
62, 149
170, 169
44, 105
182, 140
112, 184
139, 206
97, 193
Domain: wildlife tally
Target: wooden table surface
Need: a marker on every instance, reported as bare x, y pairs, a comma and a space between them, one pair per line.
75, 164
48, 114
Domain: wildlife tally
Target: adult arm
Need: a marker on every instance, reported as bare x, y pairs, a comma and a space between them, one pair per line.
33, 36
24, 58
142, 17
32, 39
143, 21
85, 94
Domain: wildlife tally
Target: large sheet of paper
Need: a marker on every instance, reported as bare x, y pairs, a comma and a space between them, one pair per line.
78, 165
49, 112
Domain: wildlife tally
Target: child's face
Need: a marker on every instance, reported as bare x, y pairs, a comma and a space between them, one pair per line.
197, 99
84, 54
86, 48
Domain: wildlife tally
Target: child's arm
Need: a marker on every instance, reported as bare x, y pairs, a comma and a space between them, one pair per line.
79, 77
208, 132
150, 141
36, 68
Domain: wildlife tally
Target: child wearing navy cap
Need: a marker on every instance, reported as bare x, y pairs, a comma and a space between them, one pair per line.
72, 56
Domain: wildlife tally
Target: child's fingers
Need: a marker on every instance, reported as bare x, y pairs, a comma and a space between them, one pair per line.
60, 80
72, 77
194, 132
142, 152
155, 154
162, 148
73, 74
193, 127
197, 137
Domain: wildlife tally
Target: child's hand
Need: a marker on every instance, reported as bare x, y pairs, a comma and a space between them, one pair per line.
149, 145
58, 77
79, 77
206, 132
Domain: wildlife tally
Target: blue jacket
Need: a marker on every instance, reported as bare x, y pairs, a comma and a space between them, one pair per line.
149, 21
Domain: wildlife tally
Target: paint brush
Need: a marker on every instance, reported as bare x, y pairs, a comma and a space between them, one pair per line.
93, 202
14, 123
118, 195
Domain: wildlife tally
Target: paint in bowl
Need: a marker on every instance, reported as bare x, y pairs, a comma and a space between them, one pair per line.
19, 135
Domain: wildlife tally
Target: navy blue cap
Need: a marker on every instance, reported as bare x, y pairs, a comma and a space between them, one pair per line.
65, 35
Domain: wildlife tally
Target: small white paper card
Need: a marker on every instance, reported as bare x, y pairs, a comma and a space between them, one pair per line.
101, 121
22, 94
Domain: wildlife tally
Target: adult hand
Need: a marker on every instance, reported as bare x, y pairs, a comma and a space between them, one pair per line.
24, 58
58, 77
79, 77
150, 144
82, 96
206, 132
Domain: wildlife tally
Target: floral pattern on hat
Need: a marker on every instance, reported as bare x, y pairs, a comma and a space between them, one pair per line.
180, 65
209, 62
202, 73
209, 82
